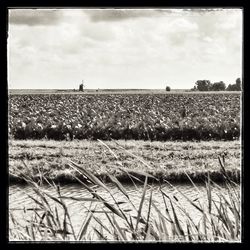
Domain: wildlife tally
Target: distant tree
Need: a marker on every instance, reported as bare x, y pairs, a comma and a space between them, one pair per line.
203, 85
230, 87
194, 88
236, 86
218, 86
168, 88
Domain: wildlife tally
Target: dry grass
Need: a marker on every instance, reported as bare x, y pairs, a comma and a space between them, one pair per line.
194, 158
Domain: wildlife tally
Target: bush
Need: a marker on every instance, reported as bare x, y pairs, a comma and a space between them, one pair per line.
168, 88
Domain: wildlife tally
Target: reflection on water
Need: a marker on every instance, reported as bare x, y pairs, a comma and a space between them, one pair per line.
20, 204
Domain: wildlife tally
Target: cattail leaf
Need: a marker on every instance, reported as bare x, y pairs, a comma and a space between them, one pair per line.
118, 184
84, 227
89, 175
141, 202
178, 226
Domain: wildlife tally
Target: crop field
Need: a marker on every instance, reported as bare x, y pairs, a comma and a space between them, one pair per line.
155, 117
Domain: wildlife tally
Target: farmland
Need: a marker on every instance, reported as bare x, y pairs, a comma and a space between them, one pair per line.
105, 141
155, 117
165, 130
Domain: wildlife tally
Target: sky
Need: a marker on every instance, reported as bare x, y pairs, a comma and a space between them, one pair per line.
123, 48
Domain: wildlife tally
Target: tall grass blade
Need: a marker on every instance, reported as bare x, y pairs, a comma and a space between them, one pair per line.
125, 170
169, 219
65, 228
177, 223
228, 222
84, 227
57, 218
209, 193
13, 219
118, 236
40, 193
99, 234
189, 218
66, 212
188, 199
88, 174
118, 184
79, 198
119, 229
195, 186
111, 151
189, 232
223, 170
166, 207
141, 203
165, 230
101, 224
222, 218
148, 233
204, 220
114, 210
149, 210
36, 201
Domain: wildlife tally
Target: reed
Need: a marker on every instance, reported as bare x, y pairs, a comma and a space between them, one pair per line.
220, 215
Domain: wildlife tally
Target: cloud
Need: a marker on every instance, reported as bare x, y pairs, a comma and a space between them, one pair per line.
123, 48
112, 15
98, 32
183, 25
33, 17
202, 10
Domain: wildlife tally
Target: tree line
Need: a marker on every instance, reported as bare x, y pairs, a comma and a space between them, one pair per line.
206, 85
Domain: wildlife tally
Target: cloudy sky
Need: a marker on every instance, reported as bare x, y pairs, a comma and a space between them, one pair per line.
123, 48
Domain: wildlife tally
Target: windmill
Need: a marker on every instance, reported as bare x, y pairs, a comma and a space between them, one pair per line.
81, 86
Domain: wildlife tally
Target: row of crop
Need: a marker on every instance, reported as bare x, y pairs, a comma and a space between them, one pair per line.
146, 117
159, 133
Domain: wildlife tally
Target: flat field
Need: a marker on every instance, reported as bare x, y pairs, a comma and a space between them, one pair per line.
164, 160
145, 116
95, 91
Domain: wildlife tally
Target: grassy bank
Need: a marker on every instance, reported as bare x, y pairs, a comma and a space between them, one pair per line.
164, 160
